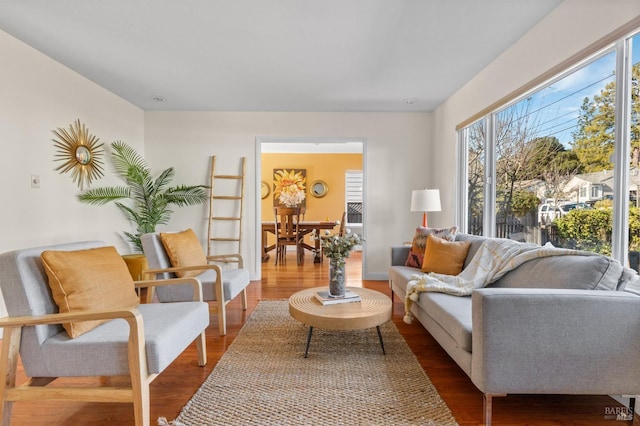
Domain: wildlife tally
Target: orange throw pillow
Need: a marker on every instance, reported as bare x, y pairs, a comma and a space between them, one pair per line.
89, 280
444, 257
184, 249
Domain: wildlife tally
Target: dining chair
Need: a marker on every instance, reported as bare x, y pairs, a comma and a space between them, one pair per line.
343, 225
178, 254
73, 312
288, 233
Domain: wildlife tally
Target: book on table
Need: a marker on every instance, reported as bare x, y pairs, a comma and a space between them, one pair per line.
349, 297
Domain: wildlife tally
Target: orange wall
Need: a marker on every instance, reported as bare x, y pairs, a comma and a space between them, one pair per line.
330, 168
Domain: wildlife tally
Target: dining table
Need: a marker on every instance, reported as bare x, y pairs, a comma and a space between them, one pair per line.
306, 227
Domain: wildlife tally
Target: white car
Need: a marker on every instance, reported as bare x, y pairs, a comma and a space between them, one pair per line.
544, 212
548, 212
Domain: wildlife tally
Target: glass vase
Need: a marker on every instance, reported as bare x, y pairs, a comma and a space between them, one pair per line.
337, 286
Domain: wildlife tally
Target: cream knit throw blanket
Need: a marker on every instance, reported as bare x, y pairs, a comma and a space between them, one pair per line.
494, 258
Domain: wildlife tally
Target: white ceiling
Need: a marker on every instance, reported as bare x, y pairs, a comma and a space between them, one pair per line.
275, 55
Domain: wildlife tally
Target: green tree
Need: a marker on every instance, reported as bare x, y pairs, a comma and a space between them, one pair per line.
149, 199
517, 153
524, 202
523, 158
546, 147
593, 139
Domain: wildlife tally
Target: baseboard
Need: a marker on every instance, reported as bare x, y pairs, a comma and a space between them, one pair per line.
376, 276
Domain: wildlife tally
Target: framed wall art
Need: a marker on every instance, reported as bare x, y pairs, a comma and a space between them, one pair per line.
289, 187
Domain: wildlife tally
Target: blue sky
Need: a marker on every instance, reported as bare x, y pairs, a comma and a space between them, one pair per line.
554, 110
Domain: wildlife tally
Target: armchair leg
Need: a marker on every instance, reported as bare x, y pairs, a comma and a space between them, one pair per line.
8, 367
244, 299
201, 346
138, 371
222, 316
220, 305
141, 405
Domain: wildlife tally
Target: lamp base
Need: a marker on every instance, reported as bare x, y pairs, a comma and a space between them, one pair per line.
424, 219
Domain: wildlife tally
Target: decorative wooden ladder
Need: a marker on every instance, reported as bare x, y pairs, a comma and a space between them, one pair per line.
226, 210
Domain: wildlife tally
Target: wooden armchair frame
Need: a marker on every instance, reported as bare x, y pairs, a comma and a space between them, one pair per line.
219, 307
35, 387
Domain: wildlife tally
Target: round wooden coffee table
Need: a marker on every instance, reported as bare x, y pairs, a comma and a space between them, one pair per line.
374, 309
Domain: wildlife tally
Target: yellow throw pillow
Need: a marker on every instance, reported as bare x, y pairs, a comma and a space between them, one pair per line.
445, 257
184, 249
89, 280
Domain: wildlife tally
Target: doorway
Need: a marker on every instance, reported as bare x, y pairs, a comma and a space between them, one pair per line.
309, 156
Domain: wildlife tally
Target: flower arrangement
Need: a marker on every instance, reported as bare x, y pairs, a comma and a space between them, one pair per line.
289, 187
338, 248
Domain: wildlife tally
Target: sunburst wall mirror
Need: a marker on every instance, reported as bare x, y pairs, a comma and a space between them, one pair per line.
80, 153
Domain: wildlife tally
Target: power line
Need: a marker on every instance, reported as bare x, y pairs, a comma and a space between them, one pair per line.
571, 94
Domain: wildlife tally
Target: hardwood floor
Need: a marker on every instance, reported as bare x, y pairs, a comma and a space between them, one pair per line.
174, 387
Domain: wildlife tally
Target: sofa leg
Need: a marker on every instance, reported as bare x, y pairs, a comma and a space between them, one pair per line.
488, 406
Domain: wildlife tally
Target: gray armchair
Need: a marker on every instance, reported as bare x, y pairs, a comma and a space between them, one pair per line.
137, 342
218, 285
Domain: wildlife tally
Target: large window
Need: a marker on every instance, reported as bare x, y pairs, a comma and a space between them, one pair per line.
544, 166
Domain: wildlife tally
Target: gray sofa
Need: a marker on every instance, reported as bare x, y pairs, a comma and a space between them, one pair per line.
554, 325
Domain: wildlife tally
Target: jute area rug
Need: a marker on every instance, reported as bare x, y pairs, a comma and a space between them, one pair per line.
264, 379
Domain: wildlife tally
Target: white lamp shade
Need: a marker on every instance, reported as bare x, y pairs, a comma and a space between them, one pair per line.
425, 200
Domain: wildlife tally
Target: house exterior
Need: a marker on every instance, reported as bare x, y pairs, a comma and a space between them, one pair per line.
590, 187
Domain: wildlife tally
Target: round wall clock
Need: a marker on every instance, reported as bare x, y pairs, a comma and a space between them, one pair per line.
264, 190
319, 188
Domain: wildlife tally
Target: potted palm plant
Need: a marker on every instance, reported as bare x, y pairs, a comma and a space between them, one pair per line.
149, 198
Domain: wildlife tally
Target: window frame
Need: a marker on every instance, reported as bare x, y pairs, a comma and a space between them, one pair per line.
621, 45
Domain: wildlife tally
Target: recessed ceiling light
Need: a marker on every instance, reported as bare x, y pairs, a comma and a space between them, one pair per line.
158, 98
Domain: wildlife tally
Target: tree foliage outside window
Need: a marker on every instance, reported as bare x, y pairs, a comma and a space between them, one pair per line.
555, 146
594, 138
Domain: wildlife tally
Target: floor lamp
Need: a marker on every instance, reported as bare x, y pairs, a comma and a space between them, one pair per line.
425, 200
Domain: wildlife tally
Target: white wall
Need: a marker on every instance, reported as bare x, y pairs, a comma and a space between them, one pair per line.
571, 27
38, 95
396, 156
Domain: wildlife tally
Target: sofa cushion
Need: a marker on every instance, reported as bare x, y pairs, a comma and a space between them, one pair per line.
419, 243
452, 313
401, 275
564, 272
168, 329
475, 240
444, 257
184, 249
89, 280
